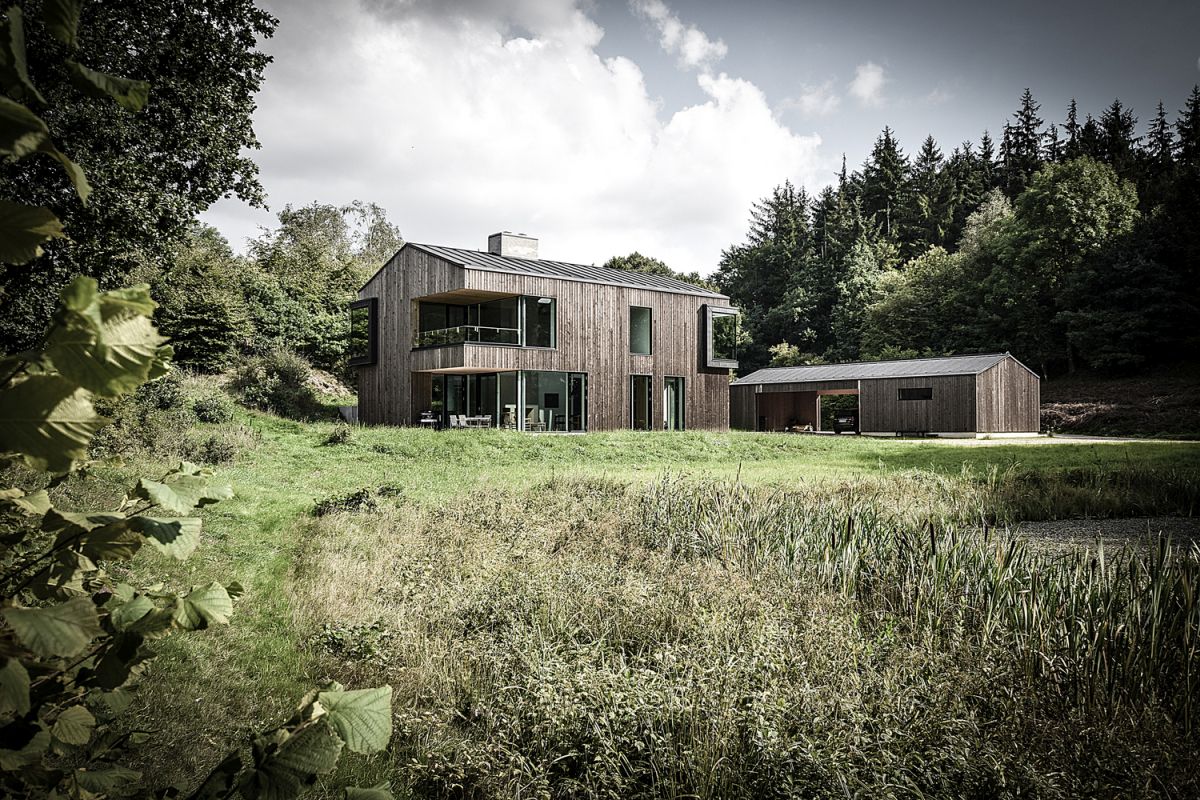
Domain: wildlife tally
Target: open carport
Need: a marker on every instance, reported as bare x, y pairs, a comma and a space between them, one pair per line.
968, 395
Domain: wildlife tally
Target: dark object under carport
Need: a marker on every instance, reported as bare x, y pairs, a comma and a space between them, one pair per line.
966, 395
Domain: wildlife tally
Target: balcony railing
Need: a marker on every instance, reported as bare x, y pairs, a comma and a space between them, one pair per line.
468, 333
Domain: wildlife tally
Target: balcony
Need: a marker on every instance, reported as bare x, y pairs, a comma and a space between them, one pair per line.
459, 334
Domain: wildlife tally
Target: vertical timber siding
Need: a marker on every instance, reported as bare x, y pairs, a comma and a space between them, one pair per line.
950, 410
385, 388
592, 337
1009, 399
743, 402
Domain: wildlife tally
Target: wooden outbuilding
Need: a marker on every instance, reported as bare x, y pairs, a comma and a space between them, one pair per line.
970, 395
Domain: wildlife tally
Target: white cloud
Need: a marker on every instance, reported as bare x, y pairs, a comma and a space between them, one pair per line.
459, 132
938, 96
815, 101
867, 85
689, 43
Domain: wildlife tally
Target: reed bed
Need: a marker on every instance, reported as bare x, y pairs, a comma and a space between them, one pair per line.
1105, 632
687, 638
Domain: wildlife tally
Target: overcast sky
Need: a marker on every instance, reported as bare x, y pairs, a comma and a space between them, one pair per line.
607, 126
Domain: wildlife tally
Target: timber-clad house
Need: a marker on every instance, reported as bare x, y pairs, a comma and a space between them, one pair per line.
505, 339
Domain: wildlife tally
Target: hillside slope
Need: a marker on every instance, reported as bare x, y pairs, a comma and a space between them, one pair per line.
1163, 403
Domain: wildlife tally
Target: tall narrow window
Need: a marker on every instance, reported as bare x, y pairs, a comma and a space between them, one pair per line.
673, 403
363, 337
640, 330
641, 402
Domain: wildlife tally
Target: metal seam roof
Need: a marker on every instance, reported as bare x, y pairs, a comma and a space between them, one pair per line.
869, 370
475, 259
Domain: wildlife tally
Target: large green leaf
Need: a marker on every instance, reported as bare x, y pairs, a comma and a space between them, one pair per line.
111, 359
181, 493
175, 537
34, 504
14, 71
131, 611
65, 629
23, 231
362, 717
74, 726
21, 131
128, 93
109, 780
104, 342
14, 687
61, 18
49, 421
204, 606
286, 765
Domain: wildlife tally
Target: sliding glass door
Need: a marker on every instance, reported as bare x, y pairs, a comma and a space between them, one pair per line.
528, 401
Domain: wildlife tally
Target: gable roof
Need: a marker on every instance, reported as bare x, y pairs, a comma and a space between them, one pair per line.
867, 370
475, 259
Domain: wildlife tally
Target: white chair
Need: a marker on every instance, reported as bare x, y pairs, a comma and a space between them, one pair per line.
462, 421
453, 421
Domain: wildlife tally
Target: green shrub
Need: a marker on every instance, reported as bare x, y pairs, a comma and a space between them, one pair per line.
341, 434
358, 500
213, 408
154, 420
278, 381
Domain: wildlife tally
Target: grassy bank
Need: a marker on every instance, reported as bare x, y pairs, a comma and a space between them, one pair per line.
499, 570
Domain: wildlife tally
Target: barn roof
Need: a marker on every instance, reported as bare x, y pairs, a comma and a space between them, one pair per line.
476, 259
867, 370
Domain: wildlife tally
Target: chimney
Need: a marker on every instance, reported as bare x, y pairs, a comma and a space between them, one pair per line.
513, 245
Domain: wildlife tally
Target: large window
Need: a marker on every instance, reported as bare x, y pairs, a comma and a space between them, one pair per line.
363, 336
673, 403
540, 321
641, 330
722, 333
920, 393
528, 401
641, 402
528, 321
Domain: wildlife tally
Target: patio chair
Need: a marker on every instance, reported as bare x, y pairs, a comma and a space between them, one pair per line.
462, 421
453, 421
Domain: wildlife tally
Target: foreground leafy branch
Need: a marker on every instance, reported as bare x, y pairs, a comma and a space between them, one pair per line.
72, 640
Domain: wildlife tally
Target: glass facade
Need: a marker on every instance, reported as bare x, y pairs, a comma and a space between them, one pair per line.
549, 401
516, 321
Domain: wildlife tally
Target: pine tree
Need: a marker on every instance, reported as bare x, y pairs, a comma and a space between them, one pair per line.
1187, 125
1054, 146
884, 184
1021, 148
987, 162
930, 214
1071, 145
1118, 144
1160, 139
1089, 139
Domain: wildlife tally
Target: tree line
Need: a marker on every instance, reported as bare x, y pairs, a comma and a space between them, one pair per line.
1071, 245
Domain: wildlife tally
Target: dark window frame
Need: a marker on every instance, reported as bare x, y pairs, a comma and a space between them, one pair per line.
914, 393
650, 311
710, 314
372, 354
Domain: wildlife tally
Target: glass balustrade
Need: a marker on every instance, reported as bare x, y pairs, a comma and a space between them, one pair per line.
468, 333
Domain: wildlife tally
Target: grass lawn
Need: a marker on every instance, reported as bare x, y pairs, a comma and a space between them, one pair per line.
220, 685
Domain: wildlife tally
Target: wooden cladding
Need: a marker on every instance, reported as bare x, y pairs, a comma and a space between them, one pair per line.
593, 337
1004, 398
